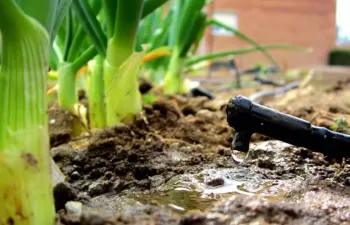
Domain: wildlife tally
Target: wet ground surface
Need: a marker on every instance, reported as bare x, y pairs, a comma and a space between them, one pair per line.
174, 166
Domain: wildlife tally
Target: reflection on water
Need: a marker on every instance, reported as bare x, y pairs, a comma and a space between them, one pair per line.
198, 192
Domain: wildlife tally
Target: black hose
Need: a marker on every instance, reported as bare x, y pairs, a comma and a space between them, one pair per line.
247, 117
260, 95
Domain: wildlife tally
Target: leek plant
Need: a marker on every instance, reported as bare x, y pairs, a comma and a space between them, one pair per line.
159, 26
73, 52
97, 115
115, 44
189, 24
27, 29
182, 30
121, 44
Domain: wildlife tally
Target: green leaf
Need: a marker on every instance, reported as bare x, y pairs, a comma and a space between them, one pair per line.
110, 10
77, 43
84, 58
69, 35
161, 35
54, 59
123, 96
245, 51
194, 33
91, 25
184, 18
244, 38
150, 6
41, 10
61, 11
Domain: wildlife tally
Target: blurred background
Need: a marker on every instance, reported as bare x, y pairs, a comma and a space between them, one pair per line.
322, 25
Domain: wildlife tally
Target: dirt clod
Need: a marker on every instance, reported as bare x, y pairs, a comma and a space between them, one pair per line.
63, 193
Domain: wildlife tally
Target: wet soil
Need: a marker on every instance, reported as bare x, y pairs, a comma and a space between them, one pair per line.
174, 165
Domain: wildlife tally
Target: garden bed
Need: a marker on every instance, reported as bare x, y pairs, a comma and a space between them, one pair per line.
174, 165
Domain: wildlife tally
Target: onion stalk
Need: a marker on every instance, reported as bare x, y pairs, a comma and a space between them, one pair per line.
75, 53
25, 186
117, 45
120, 47
97, 109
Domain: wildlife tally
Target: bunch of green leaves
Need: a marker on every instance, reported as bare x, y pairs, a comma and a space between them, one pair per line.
71, 51
103, 34
182, 29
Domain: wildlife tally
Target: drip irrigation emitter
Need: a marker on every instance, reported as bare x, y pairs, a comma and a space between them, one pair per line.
247, 118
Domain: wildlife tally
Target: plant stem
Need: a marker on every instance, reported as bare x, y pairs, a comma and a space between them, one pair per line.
24, 140
110, 9
69, 35
173, 81
97, 110
244, 51
67, 95
121, 45
78, 40
150, 6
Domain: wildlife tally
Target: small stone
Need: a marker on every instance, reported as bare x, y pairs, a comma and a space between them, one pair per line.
74, 208
75, 175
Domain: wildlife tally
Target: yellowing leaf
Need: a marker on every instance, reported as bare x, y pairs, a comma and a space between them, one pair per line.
156, 53
123, 93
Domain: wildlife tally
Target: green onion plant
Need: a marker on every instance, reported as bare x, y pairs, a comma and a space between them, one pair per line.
27, 30
74, 51
182, 30
113, 34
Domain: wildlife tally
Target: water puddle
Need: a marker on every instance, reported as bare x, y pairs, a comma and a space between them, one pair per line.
199, 192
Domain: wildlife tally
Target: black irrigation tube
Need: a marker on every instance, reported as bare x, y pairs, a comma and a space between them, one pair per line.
197, 91
258, 96
247, 117
268, 82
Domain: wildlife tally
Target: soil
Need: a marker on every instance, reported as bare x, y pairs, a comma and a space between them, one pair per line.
174, 165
